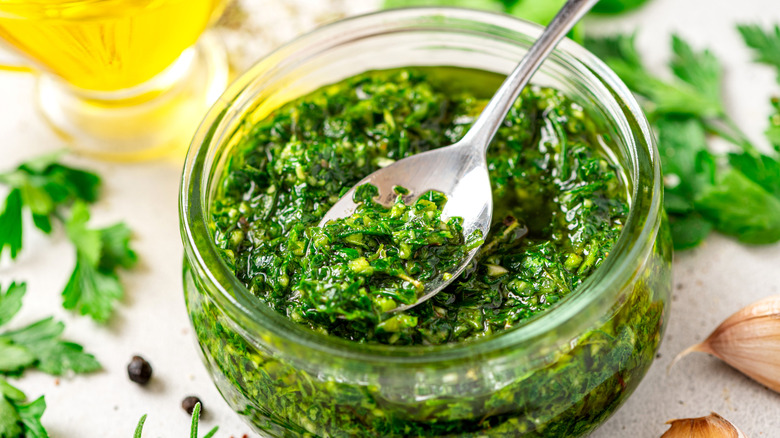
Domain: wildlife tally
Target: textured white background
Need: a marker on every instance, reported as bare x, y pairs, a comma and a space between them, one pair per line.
710, 282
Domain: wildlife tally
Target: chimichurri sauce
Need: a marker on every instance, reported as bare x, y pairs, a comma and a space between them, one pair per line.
559, 208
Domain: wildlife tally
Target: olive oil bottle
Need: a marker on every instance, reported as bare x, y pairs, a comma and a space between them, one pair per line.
119, 79
104, 45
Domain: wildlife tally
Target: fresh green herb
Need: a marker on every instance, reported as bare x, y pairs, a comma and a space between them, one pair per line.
695, 91
766, 44
702, 189
193, 428
739, 207
773, 132
94, 286
19, 419
617, 6
53, 192
39, 344
43, 186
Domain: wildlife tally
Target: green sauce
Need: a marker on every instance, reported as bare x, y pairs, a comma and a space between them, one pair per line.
559, 208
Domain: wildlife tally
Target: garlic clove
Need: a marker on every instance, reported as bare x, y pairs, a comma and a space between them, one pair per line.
749, 341
711, 426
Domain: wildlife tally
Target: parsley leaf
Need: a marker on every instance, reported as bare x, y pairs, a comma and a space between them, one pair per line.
11, 223
688, 165
51, 354
90, 291
38, 344
86, 241
688, 231
773, 132
17, 418
116, 251
738, 195
94, 286
699, 70
616, 6
44, 187
11, 301
766, 44
10, 423
740, 207
689, 168
618, 48
14, 358
763, 170
660, 97
695, 91
193, 428
53, 192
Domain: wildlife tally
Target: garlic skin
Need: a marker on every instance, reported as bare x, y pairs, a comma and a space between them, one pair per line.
711, 426
749, 341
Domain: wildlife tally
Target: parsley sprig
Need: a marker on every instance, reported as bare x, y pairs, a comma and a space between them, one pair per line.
17, 417
765, 44
55, 193
737, 193
38, 345
193, 428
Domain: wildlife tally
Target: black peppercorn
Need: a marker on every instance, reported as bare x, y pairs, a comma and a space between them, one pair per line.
139, 370
188, 404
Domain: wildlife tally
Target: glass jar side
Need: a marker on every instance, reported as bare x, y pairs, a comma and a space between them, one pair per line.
576, 389
564, 383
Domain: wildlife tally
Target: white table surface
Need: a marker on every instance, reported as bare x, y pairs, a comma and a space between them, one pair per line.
711, 282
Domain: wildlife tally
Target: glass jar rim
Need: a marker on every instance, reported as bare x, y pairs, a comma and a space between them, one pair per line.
251, 317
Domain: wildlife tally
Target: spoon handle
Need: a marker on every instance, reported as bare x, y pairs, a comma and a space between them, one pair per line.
486, 126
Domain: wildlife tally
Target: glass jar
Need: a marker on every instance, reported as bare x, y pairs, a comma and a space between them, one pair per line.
562, 373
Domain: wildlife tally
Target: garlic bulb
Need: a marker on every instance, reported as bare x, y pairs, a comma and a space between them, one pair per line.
711, 426
749, 341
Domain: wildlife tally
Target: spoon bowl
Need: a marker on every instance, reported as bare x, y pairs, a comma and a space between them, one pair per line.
460, 170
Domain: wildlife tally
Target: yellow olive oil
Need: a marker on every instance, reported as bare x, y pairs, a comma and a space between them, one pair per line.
105, 45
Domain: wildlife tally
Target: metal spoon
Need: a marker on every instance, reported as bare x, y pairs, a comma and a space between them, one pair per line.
460, 170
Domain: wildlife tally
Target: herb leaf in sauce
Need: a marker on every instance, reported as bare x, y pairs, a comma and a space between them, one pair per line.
559, 204
354, 269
